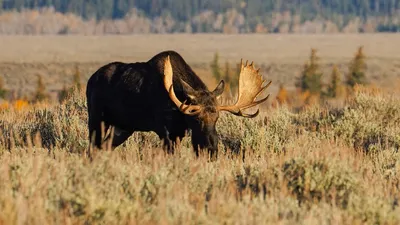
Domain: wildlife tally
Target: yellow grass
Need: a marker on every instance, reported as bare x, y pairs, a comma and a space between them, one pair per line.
318, 166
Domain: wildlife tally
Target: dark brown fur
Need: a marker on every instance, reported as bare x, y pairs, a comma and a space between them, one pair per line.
132, 97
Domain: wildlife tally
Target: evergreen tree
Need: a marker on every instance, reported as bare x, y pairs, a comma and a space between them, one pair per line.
77, 78
63, 94
254, 10
310, 79
215, 68
357, 69
231, 78
227, 77
40, 94
3, 91
235, 78
335, 84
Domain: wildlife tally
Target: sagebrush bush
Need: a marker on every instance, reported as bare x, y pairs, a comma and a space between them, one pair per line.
371, 121
289, 167
318, 180
62, 126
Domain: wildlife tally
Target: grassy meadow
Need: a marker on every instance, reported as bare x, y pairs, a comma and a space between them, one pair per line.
323, 164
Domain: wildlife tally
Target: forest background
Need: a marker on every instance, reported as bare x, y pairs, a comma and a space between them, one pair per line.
96, 17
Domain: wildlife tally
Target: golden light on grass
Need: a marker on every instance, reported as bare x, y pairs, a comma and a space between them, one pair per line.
4, 106
318, 166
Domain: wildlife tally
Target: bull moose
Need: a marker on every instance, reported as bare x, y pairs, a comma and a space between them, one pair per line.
166, 96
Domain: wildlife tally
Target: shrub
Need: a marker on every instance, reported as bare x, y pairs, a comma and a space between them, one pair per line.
335, 88
318, 180
282, 96
357, 69
20, 104
310, 79
215, 68
40, 94
3, 91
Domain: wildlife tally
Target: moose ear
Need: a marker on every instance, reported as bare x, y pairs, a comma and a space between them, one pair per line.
219, 89
190, 92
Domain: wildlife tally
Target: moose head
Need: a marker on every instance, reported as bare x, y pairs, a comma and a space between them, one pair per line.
202, 108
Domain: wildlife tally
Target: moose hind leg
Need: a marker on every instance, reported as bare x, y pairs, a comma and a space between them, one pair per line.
97, 130
168, 145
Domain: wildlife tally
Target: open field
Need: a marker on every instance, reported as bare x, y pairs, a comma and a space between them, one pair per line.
22, 57
323, 164
318, 166
197, 48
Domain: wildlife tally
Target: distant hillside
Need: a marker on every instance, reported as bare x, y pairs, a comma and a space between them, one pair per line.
193, 16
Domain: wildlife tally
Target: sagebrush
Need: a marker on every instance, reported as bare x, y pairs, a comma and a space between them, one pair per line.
322, 165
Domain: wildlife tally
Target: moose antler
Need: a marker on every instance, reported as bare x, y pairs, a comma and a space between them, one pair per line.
168, 81
250, 87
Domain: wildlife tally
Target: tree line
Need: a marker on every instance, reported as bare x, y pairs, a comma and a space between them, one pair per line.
228, 16
183, 10
310, 89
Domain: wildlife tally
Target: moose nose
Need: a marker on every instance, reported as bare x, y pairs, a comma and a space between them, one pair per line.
212, 141
213, 146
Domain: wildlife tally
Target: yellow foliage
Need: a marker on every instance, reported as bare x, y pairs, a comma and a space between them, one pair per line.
20, 104
313, 100
306, 98
4, 106
282, 96
305, 95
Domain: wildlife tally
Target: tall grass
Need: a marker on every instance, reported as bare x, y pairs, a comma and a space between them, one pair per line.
323, 165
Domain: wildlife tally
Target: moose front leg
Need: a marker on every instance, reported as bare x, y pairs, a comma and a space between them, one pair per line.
168, 145
118, 135
212, 154
199, 147
171, 138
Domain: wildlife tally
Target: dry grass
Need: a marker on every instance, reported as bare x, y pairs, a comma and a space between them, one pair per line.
318, 166
22, 57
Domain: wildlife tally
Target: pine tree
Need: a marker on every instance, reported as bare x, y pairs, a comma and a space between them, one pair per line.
63, 94
215, 68
231, 78
3, 91
235, 78
77, 78
40, 94
310, 79
357, 69
227, 77
334, 86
